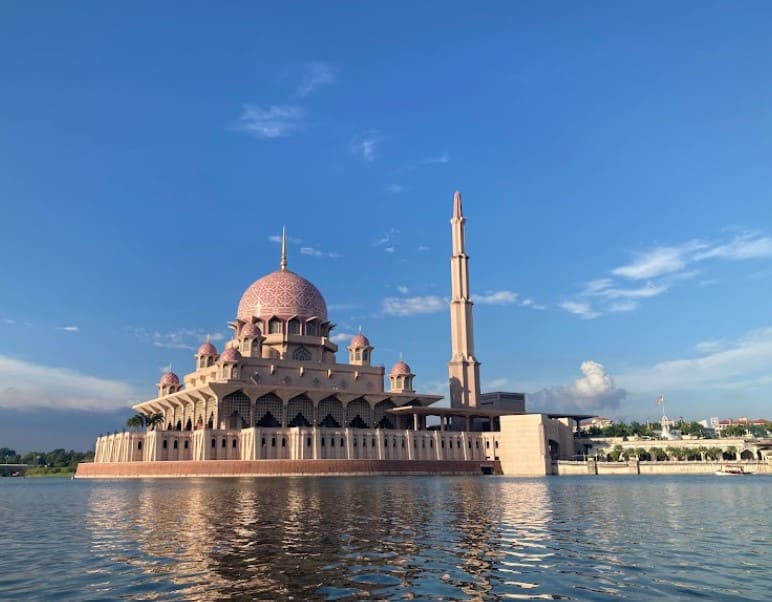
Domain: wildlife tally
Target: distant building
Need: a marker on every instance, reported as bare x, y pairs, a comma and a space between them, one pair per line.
596, 421
501, 400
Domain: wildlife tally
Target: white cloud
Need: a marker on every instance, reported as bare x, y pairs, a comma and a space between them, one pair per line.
496, 298
313, 252
625, 305
184, 338
317, 74
291, 239
363, 145
26, 385
422, 248
659, 261
68, 328
410, 306
7, 321
403, 289
342, 337
593, 392
743, 246
498, 384
389, 249
395, 188
385, 238
274, 121
580, 309
439, 159
741, 361
708, 346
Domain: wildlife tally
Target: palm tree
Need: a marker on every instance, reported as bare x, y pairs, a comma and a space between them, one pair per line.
153, 419
136, 422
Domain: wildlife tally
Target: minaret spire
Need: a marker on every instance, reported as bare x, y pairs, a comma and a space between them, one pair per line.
283, 263
463, 368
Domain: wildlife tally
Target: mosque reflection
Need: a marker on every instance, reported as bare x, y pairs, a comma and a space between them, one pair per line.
324, 538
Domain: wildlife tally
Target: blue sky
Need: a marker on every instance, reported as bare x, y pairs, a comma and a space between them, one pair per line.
613, 160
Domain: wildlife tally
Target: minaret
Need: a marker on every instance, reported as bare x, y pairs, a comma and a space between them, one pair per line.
464, 369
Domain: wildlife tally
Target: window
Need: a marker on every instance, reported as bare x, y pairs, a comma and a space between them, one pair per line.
283, 442
273, 441
274, 326
262, 441
322, 441
235, 444
175, 444
301, 354
496, 444
139, 444
341, 442
311, 329
293, 327
214, 443
487, 445
332, 441
223, 444
166, 444
186, 444
308, 441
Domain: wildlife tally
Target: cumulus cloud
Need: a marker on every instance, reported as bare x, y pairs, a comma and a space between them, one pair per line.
593, 392
27, 385
411, 306
274, 121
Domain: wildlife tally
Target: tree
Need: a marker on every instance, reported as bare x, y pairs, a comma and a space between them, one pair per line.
153, 420
136, 422
658, 454
730, 453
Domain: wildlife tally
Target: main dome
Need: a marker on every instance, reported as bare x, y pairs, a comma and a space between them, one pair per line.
283, 294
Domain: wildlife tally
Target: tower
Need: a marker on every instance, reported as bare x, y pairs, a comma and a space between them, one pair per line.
463, 368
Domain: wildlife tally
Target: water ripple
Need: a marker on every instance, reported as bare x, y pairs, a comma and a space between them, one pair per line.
674, 538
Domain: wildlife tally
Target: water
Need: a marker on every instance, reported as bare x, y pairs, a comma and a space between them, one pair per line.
411, 538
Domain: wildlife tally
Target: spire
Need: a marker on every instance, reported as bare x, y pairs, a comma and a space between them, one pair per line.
457, 211
283, 264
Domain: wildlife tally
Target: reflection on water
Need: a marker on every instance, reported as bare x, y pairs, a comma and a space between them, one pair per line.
389, 538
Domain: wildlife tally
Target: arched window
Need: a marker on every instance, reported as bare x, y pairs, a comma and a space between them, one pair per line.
293, 327
235, 444
301, 354
365, 355
357, 355
139, 444
311, 328
186, 444
274, 326
166, 444
175, 444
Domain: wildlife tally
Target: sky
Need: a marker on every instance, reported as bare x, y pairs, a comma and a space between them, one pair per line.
613, 161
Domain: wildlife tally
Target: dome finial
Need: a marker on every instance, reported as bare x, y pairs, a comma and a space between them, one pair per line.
283, 264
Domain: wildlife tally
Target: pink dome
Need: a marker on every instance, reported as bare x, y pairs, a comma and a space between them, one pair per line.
169, 378
400, 368
207, 349
250, 330
283, 294
231, 354
359, 341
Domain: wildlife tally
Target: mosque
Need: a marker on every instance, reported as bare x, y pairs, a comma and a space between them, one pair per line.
275, 400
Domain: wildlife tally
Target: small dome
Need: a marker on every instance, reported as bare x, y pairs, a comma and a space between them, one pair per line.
231, 354
250, 329
207, 349
169, 378
359, 341
400, 368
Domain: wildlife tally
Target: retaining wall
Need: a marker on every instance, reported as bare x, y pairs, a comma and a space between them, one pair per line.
272, 468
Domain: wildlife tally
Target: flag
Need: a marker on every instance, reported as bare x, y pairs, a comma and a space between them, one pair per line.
660, 400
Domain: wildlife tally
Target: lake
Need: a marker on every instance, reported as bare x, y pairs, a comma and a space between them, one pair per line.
396, 538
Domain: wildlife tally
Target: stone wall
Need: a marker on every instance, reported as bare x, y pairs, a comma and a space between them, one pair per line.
591, 467
268, 468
